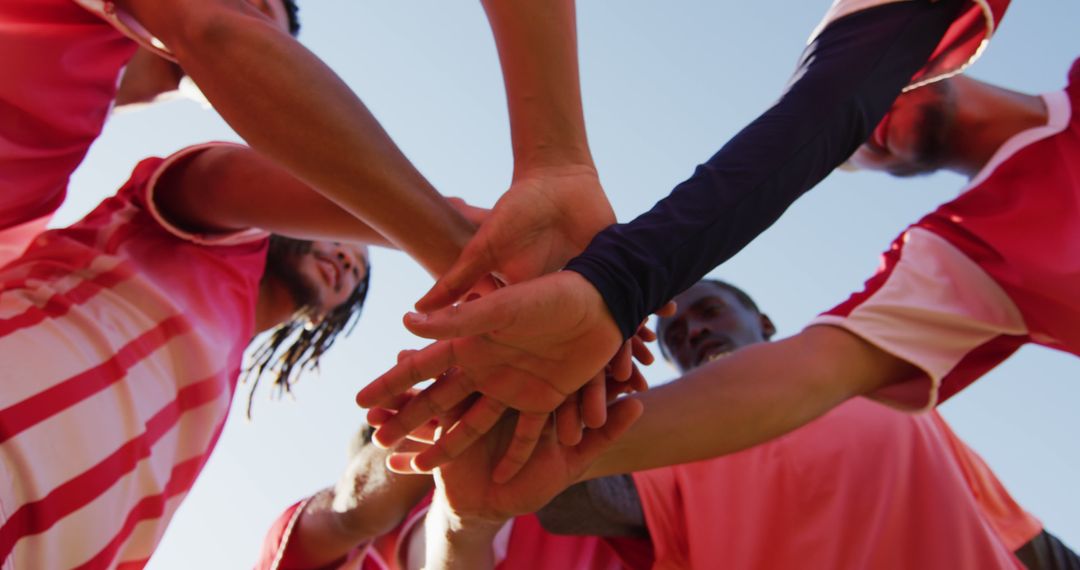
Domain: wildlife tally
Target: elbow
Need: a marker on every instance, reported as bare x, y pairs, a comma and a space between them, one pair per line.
191, 32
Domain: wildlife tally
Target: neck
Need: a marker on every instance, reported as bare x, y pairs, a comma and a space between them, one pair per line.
986, 117
274, 306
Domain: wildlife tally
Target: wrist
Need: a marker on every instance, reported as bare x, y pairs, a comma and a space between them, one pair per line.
539, 160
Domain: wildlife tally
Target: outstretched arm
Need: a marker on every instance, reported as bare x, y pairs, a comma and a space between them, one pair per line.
846, 82
756, 394
293, 109
229, 187
367, 502
555, 203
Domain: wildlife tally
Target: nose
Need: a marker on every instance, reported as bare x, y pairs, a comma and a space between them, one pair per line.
696, 331
345, 257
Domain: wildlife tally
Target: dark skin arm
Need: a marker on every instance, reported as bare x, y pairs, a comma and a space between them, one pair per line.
367, 502
228, 188
294, 110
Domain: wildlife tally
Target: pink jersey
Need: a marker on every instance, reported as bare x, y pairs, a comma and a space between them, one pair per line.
1009, 249
522, 543
61, 64
861, 487
130, 333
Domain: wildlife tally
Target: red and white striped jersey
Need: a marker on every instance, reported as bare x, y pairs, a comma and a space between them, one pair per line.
122, 339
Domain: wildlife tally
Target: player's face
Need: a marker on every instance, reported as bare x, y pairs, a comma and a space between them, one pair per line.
913, 137
710, 323
331, 271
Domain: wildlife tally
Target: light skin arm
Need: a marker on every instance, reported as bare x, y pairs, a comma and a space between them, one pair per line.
367, 502
228, 188
293, 109
756, 394
451, 543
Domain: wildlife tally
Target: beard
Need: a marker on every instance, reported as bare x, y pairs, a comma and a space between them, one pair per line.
935, 127
282, 260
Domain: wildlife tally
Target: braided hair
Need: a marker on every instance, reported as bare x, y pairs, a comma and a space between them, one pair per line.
293, 13
297, 344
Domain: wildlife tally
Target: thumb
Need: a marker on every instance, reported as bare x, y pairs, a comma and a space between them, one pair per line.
474, 263
621, 415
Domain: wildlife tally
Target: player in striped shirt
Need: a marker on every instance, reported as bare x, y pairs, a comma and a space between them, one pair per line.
123, 336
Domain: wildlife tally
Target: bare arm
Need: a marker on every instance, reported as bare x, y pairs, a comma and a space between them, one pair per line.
229, 187
537, 43
555, 203
292, 108
754, 395
367, 502
453, 544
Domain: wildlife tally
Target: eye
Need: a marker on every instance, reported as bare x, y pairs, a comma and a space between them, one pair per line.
713, 310
675, 333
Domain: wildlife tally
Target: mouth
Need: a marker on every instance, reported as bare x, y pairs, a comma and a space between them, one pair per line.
330, 271
713, 350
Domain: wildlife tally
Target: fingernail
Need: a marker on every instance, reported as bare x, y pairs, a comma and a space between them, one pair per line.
417, 317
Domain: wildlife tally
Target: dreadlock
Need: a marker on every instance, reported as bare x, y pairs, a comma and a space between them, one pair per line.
306, 336
292, 11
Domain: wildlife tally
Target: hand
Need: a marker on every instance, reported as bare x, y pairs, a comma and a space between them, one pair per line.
547, 217
471, 493
526, 346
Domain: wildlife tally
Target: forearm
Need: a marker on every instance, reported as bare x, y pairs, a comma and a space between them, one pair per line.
845, 84
537, 43
292, 108
450, 544
367, 502
756, 394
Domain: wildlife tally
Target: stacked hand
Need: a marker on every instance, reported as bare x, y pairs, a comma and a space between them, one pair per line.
468, 489
537, 347
527, 346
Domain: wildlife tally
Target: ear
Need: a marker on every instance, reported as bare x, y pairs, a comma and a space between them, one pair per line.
768, 329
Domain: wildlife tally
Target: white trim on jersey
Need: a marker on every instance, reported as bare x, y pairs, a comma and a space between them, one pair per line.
935, 307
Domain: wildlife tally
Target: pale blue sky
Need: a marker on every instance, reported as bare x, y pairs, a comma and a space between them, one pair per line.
665, 84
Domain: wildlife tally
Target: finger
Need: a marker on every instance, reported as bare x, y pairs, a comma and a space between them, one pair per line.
474, 262
412, 369
403, 353
379, 416
568, 420
426, 433
641, 352
482, 315
645, 333
621, 416
477, 421
667, 310
637, 381
526, 435
620, 365
594, 402
402, 463
434, 402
